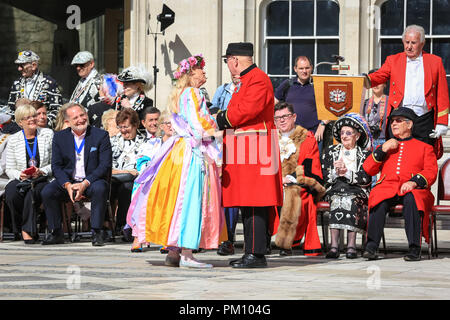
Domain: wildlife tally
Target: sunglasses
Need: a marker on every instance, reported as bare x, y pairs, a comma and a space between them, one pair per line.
399, 120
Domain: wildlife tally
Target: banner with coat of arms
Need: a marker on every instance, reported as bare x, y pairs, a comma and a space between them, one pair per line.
337, 95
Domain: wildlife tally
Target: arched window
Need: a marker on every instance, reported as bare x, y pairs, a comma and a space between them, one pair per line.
299, 27
432, 15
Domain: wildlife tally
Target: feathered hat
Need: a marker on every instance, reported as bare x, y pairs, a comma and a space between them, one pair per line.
137, 74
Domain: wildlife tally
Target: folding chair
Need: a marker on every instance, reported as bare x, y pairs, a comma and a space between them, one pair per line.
443, 194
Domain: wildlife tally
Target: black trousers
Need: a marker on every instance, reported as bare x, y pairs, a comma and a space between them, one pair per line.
122, 192
53, 196
23, 213
412, 216
255, 221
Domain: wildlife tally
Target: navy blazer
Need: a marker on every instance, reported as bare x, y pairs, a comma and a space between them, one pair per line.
97, 155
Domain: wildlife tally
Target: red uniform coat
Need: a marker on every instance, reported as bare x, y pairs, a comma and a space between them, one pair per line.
252, 169
413, 160
435, 86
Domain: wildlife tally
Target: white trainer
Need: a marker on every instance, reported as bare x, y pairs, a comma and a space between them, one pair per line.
193, 264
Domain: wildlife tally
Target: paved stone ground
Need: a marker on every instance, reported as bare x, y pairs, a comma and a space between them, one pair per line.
80, 271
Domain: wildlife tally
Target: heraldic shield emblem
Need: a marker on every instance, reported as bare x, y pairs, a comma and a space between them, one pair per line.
338, 97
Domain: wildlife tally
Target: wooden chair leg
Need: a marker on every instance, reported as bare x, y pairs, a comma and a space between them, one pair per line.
2, 215
66, 221
112, 224
435, 236
384, 244
324, 233
430, 237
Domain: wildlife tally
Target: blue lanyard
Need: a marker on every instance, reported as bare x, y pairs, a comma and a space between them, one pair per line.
32, 155
78, 149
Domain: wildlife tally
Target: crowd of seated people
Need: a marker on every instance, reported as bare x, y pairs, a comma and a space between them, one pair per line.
86, 153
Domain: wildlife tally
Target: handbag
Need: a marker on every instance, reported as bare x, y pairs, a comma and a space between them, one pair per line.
24, 186
123, 177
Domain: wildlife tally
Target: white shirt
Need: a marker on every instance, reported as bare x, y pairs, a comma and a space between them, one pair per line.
30, 85
414, 96
79, 173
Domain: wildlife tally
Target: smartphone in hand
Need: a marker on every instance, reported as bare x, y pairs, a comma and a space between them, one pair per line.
29, 171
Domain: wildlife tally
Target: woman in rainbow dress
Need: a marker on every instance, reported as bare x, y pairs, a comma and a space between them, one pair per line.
178, 203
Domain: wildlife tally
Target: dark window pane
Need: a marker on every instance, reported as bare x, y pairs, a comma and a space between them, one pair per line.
278, 57
325, 49
392, 18
390, 46
278, 18
418, 12
302, 48
276, 81
441, 14
327, 18
441, 48
302, 18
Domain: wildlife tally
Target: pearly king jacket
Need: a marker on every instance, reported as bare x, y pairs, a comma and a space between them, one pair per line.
45, 90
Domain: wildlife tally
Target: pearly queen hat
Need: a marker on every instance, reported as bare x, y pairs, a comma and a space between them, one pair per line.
356, 121
26, 57
82, 57
136, 74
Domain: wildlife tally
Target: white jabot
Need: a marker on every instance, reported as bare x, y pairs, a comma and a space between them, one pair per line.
30, 85
414, 96
79, 173
349, 158
133, 99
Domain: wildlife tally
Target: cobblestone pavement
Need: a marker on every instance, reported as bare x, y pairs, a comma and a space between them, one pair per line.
80, 271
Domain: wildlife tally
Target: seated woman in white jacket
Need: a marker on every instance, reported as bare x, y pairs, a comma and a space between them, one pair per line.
28, 158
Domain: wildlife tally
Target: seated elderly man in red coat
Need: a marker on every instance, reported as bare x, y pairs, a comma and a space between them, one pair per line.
408, 170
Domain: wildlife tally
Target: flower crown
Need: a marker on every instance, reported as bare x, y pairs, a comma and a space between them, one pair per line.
186, 65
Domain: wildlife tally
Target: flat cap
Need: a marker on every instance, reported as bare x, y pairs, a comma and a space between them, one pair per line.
26, 57
82, 57
239, 49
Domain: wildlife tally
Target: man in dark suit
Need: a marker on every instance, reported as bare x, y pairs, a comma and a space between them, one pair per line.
81, 160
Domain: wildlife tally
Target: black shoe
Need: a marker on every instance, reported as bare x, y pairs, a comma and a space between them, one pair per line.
351, 254
413, 254
250, 261
226, 248
285, 252
370, 254
54, 238
333, 254
127, 235
97, 238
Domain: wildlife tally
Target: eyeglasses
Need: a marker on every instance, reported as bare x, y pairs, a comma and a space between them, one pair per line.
167, 123
29, 118
284, 117
347, 133
399, 120
225, 60
123, 127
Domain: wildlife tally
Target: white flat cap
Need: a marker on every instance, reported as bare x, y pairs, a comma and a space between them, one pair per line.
26, 57
4, 118
82, 57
